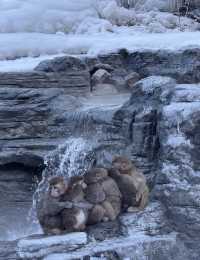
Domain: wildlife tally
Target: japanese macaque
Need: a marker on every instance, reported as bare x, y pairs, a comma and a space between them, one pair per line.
75, 219
131, 182
50, 206
103, 192
58, 210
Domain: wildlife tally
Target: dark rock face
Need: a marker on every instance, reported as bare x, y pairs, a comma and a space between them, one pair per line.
175, 149
183, 65
17, 185
33, 121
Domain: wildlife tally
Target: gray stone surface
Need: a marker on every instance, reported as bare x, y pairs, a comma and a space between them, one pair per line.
183, 65
158, 127
30, 248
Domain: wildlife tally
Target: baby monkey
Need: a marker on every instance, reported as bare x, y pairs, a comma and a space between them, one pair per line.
131, 182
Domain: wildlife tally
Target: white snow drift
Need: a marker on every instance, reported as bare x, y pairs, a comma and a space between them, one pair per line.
83, 16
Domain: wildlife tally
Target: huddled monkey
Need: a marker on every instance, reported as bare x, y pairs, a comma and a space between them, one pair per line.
75, 218
59, 210
131, 182
50, 206
103, 192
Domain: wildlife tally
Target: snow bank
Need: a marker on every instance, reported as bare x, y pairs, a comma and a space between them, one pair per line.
83, 16
13, 46
44, 16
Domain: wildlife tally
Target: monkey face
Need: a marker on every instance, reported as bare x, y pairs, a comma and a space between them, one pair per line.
57, 190
122, 164
95, 175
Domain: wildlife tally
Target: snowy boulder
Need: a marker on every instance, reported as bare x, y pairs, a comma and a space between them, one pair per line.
101, 76
29, 248
151, 221
61, 64
131, 79
103, 66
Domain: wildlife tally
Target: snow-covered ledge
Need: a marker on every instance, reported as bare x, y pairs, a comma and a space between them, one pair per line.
28, 248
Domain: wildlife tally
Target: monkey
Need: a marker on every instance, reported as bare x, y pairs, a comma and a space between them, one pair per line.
58, 209
75, 219
50, 206
131, 182
103, 192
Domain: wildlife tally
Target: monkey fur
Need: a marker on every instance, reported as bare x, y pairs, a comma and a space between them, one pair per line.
103, 192
50, 206
59, 211
75, 219
131, 182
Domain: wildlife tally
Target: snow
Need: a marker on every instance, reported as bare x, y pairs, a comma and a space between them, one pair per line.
180, 111
149, 84
43, 46
136, 241
187, 93
41, 246
176, 140
41, 29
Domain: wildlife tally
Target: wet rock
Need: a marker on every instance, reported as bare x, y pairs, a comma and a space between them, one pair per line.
103, 66
30, 248
104, 231
62, 64
101, 76
152, 221
131, 79
104, 89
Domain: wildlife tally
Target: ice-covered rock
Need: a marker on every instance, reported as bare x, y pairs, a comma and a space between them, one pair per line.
131, 79
101, 76
30, 248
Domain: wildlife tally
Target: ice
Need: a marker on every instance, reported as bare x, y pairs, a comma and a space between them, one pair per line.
21, 45
41, 246
177, 140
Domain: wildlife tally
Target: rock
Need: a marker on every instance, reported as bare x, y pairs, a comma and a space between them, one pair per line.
182, 65
101, 76
151, 221
29, 248
178, 181
17, 186
104, 89
136, 247
103, 66
103, 231
131, 79
8, 250
62, 64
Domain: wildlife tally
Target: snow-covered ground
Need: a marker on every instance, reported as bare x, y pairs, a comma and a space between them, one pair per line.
34, 30
50, 45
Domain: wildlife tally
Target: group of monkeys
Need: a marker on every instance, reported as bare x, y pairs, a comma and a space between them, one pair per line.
98, 196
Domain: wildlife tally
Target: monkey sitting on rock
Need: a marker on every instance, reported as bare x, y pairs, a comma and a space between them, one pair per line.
59, 211
103, 192
131, 182
75, 218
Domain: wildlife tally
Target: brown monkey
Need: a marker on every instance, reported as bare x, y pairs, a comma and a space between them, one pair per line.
50, 206
103, 192
75, 219
131, 182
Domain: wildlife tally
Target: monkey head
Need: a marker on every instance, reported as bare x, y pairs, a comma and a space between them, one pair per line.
95, 175
57, 186
122, 164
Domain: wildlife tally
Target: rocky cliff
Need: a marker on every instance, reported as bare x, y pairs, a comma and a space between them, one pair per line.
158, 126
